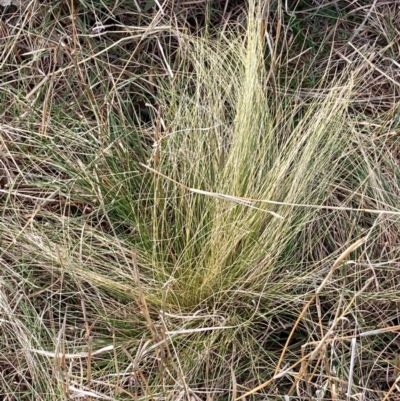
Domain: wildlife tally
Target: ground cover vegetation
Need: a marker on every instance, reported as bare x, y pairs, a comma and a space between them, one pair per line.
199, 200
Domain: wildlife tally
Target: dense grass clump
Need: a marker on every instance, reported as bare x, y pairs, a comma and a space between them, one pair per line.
199, 201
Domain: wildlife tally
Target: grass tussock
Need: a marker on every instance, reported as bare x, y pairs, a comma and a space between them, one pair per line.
199, 201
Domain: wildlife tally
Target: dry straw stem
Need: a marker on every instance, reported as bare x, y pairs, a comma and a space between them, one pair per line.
311, 355
352, 363
78, 355
374, 66
320, 345
369, 333
251, 201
